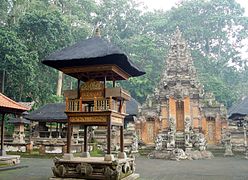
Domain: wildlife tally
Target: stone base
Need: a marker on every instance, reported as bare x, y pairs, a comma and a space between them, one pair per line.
10, 159
94, 168
228, 154
2, 152
109, 157
130, 177
85, 154
68, 156
122, 155
181, 155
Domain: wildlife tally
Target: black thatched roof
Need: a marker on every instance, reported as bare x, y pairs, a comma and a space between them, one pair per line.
92, 51
49, 113
19, 120
239, 109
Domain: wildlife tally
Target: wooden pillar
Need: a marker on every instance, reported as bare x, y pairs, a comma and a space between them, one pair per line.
78, 89
122, 139
60, 129
109, 139
85, 138
113, 83
50, 133
69, 138
2, 134
105, 80
57, 129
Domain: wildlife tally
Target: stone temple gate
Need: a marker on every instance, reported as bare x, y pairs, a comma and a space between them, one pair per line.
179, 110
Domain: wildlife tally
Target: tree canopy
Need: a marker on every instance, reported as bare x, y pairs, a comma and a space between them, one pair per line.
30, 30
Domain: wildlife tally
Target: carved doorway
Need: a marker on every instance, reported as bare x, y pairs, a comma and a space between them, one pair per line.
180, 115
150, 132
210, 130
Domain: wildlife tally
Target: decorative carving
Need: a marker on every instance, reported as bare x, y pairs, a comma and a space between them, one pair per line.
59, 171
226, 139
172, 124
84, 169
187, 124
92, 85
126, 167
88, 119
159, 142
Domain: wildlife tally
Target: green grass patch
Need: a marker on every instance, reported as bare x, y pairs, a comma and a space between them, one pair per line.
35, 154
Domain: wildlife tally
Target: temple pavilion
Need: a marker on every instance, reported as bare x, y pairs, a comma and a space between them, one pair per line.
8, 106
94, 62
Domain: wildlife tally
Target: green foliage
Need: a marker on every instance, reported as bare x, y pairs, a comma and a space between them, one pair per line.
30, 30
19, 64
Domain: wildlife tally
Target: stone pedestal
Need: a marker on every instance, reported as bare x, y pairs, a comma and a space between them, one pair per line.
122, 155
109, 157
2, 152
85, 154
106, 167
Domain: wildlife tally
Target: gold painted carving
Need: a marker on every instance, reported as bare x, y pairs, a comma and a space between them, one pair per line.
89, 119
91, 94
92, 85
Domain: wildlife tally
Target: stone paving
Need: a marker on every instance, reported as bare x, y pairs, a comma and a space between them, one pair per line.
149, 169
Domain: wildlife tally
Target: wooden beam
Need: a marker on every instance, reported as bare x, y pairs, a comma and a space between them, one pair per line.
96, 69
78, 88
121, 139
69, 138
109, 138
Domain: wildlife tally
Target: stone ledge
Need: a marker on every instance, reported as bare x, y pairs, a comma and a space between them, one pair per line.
130, 177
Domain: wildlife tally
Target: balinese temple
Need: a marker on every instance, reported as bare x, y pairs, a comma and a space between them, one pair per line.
179, 107
97, 65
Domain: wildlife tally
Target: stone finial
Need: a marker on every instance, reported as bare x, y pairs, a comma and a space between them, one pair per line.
98, 32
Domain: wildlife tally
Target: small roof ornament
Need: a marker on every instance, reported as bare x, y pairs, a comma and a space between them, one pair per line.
98, 32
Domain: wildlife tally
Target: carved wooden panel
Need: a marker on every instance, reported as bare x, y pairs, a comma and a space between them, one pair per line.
91, 89
88, 119
150, 132
180, 115
210, 134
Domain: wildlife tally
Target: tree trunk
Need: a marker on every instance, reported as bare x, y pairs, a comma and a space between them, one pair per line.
59, 83
3, 81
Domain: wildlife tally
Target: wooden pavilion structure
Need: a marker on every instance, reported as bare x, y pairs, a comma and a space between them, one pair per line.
95, 62
8, 106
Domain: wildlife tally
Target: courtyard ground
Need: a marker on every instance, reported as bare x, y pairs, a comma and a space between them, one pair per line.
235, 168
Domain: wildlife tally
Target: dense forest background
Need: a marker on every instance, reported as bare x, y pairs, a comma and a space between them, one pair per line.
31, 29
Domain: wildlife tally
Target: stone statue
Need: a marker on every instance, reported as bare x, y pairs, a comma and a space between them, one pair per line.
172, 125
178, 154
227, 142
188, 143
135, 146
171, 140
159, 143
202, 142
187, 124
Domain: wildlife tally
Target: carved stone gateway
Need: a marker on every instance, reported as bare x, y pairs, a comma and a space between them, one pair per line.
179, 107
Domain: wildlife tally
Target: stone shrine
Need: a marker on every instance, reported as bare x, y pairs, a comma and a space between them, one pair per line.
179, 115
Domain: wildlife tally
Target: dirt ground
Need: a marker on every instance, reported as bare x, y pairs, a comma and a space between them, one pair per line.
235, 168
